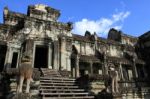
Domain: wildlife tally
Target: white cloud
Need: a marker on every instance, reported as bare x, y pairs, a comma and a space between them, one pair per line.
120, 16
102, 25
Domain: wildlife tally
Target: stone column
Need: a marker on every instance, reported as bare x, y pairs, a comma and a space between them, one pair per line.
18, 59
56, 56
68, 62
102, 70
33, 54
77, 66
121, 71
105, 66
50, 56
73, 72
106, 69
8, 59
134, 69
63, 54
91, 67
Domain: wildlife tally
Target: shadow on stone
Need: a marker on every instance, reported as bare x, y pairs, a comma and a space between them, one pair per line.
25, 96
104, 95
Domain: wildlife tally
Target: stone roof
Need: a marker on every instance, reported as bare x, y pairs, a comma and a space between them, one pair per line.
124, 60
129, 36
88, 58
118, 60
145, 36
40, 8
81, 38
91, 39
16, 14
7, 27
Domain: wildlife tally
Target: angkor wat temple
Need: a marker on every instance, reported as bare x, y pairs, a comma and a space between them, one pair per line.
51, 45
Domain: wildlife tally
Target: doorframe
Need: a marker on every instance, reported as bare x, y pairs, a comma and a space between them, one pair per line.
41, 43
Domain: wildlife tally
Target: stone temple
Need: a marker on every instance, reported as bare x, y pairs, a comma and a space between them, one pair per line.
52, 46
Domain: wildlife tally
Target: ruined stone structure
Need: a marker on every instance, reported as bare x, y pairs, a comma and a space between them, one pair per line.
51, 44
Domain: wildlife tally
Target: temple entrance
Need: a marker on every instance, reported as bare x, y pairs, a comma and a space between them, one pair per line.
41, 57
127, 72
14, 60
3, 49
84, 68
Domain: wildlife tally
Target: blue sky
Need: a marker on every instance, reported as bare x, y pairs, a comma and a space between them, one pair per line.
130, 16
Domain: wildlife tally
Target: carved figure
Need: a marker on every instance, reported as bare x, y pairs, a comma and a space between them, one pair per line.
114, 78
25, 73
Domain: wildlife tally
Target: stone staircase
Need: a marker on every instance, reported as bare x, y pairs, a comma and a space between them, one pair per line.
54, 86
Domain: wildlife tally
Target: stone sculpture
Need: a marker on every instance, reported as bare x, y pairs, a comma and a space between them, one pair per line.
25, 73
114, 78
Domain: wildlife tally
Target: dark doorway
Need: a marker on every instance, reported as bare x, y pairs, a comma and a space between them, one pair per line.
14, 60
3, 49
82, 72
140, 71
41, 57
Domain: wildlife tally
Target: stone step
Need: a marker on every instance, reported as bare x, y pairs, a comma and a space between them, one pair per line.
57, 78
54, 86
77, 97
49, 70
64, 94
49, 75
55, 81
58, 81
58, 87
51, 84
12, 79
62, 90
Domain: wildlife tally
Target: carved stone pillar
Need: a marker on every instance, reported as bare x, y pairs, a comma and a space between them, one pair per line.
8, 58
56, 55
50, 56
134, 69
73, 72
105, 65
91, 67
77, 66
121, 71
68, 62
63, 54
